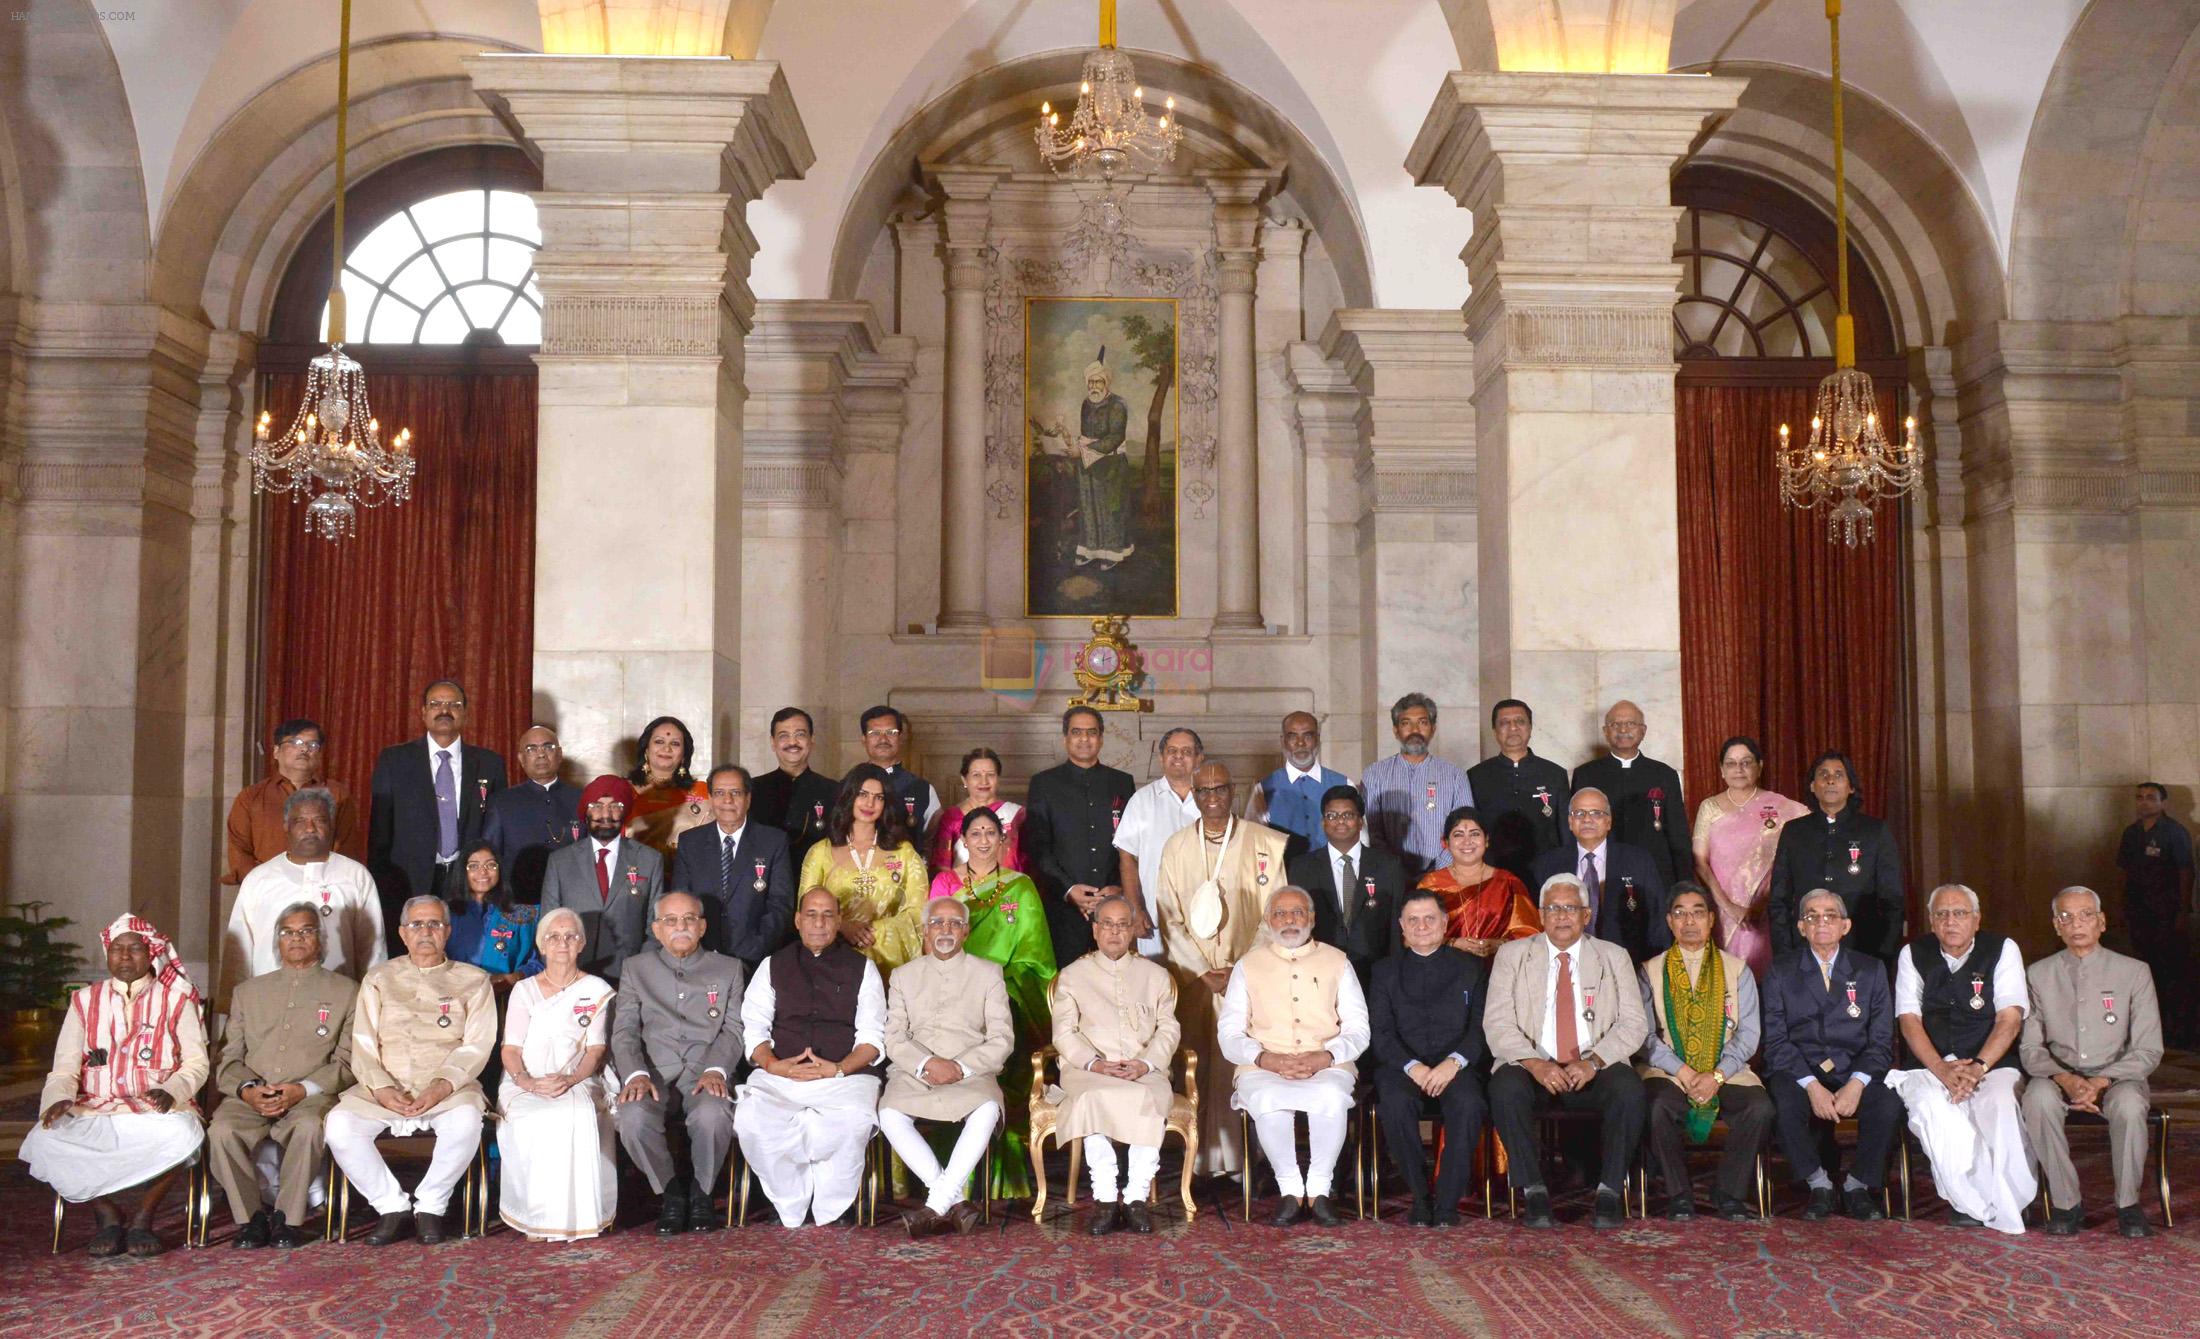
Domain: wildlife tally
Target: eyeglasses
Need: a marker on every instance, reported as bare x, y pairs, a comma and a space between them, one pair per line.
729, 793
882, 734
1952, 914
538, 748
1341, 816
1589, 813
445, 704
302, 745
2071, 917
1551, 909
679, 922
1211, 790
1688, 913
942, 922
425, 925
309, 932
1823, 917
561, 937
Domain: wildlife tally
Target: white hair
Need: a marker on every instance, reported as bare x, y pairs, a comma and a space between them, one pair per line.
1288, 888
1802, 908
1558, 880
2077, 888
561, 913
405, 912
1968, 895
313, 914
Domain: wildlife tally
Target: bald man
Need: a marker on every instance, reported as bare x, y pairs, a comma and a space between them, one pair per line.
1626, 895
1647, 809
1289, 799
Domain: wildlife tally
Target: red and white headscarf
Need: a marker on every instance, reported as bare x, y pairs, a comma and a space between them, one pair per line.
139, 1035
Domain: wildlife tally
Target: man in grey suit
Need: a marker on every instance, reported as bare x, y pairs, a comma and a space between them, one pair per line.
1563, 1020
2091, 1040
675, 1038
610, 880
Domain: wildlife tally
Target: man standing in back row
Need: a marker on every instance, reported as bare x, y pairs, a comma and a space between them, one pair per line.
1073, 809
1647, 810
1521, 793
428, 799
1409, 792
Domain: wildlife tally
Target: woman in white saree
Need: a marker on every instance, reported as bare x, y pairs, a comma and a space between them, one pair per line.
555, 1140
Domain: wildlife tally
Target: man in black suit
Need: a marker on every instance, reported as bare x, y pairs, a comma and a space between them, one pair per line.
1356, 887
885, 734
1626, 896
1071, 811
1846, 851
1425, 1032
524, 823
1829, 1042
1521, 793
793, 797
1645, 794
742, 871
428, 795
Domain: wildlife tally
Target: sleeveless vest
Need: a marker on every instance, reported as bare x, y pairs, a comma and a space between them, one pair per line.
1297, 806
1944, 1003
814, 1000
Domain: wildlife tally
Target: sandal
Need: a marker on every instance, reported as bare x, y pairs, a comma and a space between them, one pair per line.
107, 1242
142, 1245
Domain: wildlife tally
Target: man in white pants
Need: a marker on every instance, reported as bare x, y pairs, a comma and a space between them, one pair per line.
1960, 999
421, 1033
1293, 1020
948, 1032
815, 1019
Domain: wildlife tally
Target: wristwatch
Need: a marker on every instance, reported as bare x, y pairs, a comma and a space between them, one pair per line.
1720, 1076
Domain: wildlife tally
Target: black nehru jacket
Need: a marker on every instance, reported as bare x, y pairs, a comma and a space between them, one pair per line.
1659, 826
1523, 807
1069, 839
1427, 1008
1814, 853
814, 1001
796, 805
1944, 1003
524, 824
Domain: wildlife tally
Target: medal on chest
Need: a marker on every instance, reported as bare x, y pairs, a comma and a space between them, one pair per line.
1628, 884
817, 814
573, 829
2154, 850
1771, 817
503, 935
1856, 858
1115, 816
443, 1012
712, 997
1369, 885
145, 1044
584, 1013
326, 908
1657, 808
910, 806
1542, 796
1431, 805
758, 883
320, 1018
1978, 991
2108, 1007
481, 790
1855, 1010
1261, 864
633, 883
1589, 1004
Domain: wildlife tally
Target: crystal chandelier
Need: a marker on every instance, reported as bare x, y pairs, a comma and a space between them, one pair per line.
1849, 465
1110, 128
332, 453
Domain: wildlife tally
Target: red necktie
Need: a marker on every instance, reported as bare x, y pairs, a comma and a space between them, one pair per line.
1569, 1044
603, 872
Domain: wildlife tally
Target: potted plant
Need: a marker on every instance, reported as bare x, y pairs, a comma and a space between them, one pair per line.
35, 969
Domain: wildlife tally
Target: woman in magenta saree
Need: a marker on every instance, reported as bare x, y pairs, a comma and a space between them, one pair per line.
1736, 834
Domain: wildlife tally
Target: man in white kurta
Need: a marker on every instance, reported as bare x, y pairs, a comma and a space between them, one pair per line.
119, 1108
422, 1029
1156, 812
948, 1032
337, 886
1216, 876
1116, 1031
815, 1018
1293, 1021
1960, 1000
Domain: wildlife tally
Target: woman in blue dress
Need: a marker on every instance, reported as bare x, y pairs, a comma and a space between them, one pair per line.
487, 928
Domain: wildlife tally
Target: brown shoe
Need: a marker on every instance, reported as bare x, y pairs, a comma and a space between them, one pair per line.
920, 1222
1138, 1218
964, 1217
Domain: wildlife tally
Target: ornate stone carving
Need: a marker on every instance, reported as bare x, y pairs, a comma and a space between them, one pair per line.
667, 325
787, 483
1575, 336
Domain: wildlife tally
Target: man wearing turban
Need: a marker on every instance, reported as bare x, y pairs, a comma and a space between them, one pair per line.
1104, 472
610, 880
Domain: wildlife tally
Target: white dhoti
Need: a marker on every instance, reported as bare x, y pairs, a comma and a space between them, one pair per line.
85, 1156
1272, 1100
1980, 1160
558, 1180
804, 1140
457, 1132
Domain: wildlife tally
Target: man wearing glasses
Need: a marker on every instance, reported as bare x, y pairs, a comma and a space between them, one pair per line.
528, 822
1622, 887
885, 733
422, 1031
428, 796
2091, 1040
256, 829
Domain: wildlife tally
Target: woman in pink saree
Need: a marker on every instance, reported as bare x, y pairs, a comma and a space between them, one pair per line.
1736, 834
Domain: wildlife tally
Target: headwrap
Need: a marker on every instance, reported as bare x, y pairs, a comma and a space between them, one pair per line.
1695, 1019
139, 1035
1100, 370
167, 969
607, 787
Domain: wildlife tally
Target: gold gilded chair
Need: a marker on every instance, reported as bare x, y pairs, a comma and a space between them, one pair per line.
1183, 1122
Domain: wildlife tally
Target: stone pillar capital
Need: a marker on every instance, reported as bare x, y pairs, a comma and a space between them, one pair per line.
1237, 195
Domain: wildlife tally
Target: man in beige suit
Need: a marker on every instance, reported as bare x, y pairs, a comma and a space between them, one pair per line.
1564, 1020
1216, 877
285, 1057
422, 1032
948, 1032
1115, 1028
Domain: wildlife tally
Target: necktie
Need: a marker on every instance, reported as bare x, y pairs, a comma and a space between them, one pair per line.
1346, 886
603, 872
446, 807
725, 866
1592, 888
1825, 970
1562, 1002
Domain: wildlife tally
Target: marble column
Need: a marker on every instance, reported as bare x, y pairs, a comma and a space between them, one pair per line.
963, 221
1571, 317
648, 166
1237, 197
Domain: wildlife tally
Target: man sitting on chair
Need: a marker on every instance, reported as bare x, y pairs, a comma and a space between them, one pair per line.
1115, 1029
1293, 1020
1425, 1021
948, 1032
285, 1056
1564, 1021
815, 1020
422, 1031
119, 1110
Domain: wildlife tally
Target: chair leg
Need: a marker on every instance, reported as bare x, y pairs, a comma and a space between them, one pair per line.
1246, 1163
1905, 1179
1184, 1180
1076, 1164
1764, 1191
60, 1207
1037, 1149
2161, 1174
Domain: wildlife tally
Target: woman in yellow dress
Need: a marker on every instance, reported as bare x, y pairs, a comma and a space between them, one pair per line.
668, 800
866, 861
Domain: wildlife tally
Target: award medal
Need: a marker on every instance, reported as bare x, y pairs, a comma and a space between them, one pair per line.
1855, 1010
758, 884
326, 909
574, 828
1657, 808
1856, 858
633, 883
503, 935
1589, 1004
2108, 1008
584, 1013
1432, 797
443, 1013
2154, 850
1772, 818
481, 789
712, 996
911, 806
1115, 817
1978, 991
1543, 796
320, 1015
1261, 878
1369, 884
1629, 885
145, 1044
817, 813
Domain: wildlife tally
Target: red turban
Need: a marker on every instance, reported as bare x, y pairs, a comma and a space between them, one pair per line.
607, 788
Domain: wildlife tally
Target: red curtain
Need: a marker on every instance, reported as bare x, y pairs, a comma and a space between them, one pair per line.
1785, 637
441, 587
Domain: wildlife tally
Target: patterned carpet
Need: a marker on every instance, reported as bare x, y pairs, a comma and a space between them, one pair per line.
1218, 1278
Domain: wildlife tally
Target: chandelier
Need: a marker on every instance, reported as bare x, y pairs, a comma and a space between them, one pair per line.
332, 453
1849, 464
1110, 128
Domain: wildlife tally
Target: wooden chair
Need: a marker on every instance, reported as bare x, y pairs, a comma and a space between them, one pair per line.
1183, 1122
1489, 1153
1642, 1178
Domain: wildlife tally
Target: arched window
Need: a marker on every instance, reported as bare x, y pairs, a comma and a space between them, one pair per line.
455, 268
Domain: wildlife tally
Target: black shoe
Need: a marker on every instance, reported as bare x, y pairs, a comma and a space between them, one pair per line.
1537, 1211
1448, 1218
702, 1215
1105, 1219
1323, 1213
2131, 1220
1820, 1207
254, 1234
1611, 1212
2065, 1222
1422, 1214
1863, 1205
672, 1210
1138, 1218
431, 1228
1287, 1212
394, 1227
1733, 1210
1682, 1207
281, 1234
1957, 1218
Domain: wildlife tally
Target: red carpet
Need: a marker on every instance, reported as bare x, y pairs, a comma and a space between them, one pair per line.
1788, 1278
